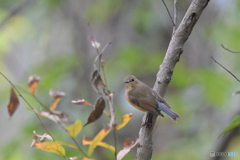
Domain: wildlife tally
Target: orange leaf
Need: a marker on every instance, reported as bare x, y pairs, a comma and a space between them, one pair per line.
13, 102
74, 129
97, 112
127, 146
54, 103
85, 158
87, 141
54, 147
99, 137
33, 83
57, 95
126, 118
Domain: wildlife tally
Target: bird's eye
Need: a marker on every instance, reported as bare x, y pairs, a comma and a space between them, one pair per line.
132, 80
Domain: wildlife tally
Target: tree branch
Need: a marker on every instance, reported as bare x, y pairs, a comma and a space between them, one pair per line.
226, 69
229, 49
175, 49
175, 16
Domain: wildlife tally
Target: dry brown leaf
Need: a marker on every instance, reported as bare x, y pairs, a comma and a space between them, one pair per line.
33, 81
82, 102
98, 82
13, 102
42, 138
55, 116
97, 112
127, 146
62, 116
94, 74
56, 94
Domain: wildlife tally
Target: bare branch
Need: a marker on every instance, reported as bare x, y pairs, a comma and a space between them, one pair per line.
175, 49
229, 49
100, 54
175, 16
169, 13
225, 69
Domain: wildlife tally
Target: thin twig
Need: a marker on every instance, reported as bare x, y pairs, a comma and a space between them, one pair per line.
27, 103
169, 13
226, 69
102, 51
34, 97
92, 38
229, 49
175, 16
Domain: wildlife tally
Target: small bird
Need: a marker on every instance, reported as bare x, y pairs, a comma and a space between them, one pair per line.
144, 98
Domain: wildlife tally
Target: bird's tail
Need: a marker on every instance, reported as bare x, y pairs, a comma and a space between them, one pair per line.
167, 110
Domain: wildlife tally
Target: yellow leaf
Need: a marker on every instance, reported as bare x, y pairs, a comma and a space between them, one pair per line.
87, 141
69, 145
99, 137
126, 118
85, 158
54, 147
54, 103
74, 129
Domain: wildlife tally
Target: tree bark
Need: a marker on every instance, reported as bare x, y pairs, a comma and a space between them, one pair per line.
175, 49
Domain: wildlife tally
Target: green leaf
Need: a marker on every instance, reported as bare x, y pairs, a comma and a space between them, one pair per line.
235, 123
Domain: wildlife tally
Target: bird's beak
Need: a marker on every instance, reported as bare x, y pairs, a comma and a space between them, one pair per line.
127, 81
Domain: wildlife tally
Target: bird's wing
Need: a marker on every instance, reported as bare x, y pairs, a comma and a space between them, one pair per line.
159, 98
147, 104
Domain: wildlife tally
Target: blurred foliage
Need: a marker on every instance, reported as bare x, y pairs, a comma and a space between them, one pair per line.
97, 15
58, 68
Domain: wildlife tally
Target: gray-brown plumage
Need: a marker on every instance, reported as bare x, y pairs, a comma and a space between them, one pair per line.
146, 99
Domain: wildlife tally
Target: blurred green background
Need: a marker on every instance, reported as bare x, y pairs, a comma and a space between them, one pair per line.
50, 38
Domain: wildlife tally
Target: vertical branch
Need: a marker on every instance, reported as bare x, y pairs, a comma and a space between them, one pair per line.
175, 49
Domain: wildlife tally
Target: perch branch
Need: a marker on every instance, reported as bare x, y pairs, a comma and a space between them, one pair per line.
175, 49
